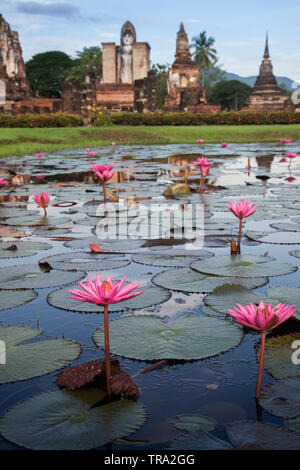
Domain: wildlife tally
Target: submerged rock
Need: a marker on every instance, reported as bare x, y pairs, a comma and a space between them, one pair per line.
177, 189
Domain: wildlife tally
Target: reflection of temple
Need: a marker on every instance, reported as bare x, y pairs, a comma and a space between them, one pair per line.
127, 80
265, 161
184, 90
266, 94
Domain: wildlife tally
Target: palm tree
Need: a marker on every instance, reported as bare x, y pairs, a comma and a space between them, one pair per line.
204, 54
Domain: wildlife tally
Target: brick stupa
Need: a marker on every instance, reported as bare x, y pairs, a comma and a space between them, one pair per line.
266, 94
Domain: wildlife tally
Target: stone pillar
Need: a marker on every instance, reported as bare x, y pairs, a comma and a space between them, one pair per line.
141, 60
109, 62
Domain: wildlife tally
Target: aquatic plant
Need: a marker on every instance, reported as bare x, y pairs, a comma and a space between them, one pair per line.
241, 209
42, 200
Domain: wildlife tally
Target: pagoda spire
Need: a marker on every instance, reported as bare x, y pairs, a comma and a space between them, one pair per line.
267, 54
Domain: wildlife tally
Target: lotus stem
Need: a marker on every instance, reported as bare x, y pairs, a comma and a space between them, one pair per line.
45, 211
186, 174
104, 191
240, 235
261, 364
201, 184
107, 350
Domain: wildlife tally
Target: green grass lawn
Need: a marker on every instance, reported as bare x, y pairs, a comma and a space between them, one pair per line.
29, 141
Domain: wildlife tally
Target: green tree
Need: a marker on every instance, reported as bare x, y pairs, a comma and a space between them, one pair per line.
88, 61
46, 72
229, 94
204, 54
161, 73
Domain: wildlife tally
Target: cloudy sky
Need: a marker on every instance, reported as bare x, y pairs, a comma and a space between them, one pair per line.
238, 27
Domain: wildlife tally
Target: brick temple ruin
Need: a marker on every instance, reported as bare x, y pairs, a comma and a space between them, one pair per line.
128, 83
184, 90
266, 94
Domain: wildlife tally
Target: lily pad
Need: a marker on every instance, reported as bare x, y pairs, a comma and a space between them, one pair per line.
24, 361
251, 435
278, 237
31, 276
282, 398
194, 423
188, 280
15, 298
228, 295
151, 296
174, 258
21, 248
289, 227
198, 441
243, 266
293, 424
288, 295
35, 220
295, 253
81, 261
279, 354
148, 338
106, 245
62, 420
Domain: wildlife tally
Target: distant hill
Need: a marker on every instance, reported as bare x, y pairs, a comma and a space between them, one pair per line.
251, 80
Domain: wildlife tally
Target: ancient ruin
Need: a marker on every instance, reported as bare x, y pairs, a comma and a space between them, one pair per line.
127, 81
184, 90
266, 94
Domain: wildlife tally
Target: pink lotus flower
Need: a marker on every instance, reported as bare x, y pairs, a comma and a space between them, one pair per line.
88, 150
42, 200
95, 248
200, 141
113, 144
285, 141
241, 210
262, 318
204, 166
105, 174
39, 154
291, 155
123, 139
92, 154
282, 160
40, 176
105, 293
224, 144
3, 182
290, 179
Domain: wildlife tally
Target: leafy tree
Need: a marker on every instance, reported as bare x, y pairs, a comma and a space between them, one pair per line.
229, 94
204, 54
46, 71
161, 73
87, 61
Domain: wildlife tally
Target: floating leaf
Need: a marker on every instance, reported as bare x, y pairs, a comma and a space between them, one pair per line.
278, 356
38, 220
15, 298
107, 245
251, 435
24, 361
198, 441
188, 280
281, 238
32, 276
243, 266
282, 398
151, 295
86, 261
293, 424
295, 253
148, 338
289, 227
288, 295
228, 295
64, 420
194, 423
175, 258
23, 248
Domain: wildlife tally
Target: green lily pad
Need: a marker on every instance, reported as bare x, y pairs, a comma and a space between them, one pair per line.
24, 248
63, 420
194, 423
31, 276
293, 424
278, 237
188, 280
175, 258
198, 441
295, 253
148, 338
288, 295
151, 296
228, 295
81, 261
15, 298
279, 354
288, 227
35, 220
24, 361
106, 245
251, 435
243, 266
282, 398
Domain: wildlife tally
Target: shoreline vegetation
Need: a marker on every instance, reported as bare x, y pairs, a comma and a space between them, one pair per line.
26, 141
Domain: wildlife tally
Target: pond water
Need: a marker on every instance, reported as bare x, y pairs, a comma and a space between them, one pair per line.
220, 384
